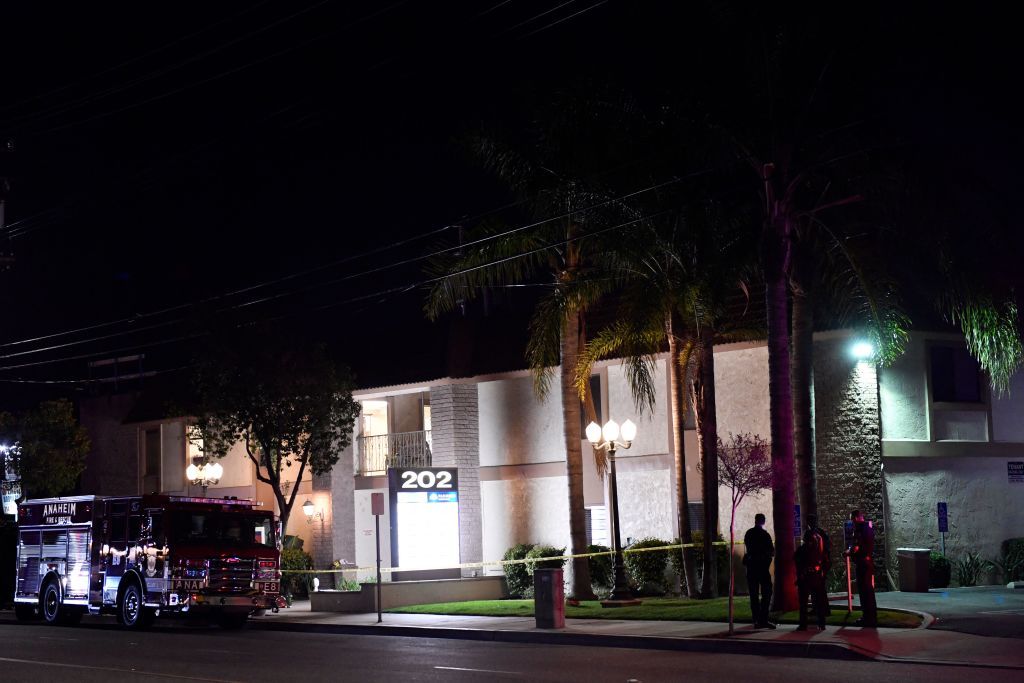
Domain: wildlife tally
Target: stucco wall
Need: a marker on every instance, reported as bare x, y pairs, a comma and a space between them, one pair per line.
1008, 412
903, 391
652, 427
515, 426
524, 510
741, 390
984, 507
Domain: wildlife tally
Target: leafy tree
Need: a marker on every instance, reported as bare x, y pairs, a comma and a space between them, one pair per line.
745, 467
287, 401
46, 448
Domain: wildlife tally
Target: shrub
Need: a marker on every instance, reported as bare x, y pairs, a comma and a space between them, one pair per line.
721, 557
647, 569
1011, 564
602, 574
969, 568
517, 576
538, 551
293, 559
939, 570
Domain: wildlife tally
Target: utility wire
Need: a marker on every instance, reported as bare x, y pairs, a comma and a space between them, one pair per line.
381, 295
328, 283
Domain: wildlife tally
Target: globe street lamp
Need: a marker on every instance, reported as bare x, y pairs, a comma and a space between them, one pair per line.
607, 438
204, 474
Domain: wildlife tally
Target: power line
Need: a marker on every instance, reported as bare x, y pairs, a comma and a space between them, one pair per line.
328, 283
380, 294
218, 76
133, 60
57, 110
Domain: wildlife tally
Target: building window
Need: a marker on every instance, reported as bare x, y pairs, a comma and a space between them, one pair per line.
955, 375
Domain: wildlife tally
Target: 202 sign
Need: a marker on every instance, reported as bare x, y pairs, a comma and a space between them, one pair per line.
426, 479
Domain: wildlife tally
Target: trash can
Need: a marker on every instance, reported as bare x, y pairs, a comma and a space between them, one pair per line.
549, 598
913, 569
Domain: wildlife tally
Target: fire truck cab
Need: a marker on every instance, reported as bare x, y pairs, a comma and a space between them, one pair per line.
140, 557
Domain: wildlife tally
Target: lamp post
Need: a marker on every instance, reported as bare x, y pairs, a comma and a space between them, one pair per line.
607, 438
204, 473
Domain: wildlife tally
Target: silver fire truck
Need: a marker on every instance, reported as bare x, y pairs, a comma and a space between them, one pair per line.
142, 556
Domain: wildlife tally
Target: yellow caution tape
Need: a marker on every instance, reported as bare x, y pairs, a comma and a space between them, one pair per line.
502, 563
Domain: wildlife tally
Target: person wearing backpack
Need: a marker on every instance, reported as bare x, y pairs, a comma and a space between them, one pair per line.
810, 560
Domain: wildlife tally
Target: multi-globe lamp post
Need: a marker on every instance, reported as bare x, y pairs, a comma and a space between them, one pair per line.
204, 473
607, 438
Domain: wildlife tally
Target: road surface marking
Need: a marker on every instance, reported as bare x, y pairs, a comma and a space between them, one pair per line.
73, 640
483, 671
1007, 612
115, 670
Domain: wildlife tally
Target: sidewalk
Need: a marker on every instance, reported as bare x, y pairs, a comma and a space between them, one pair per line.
892, 645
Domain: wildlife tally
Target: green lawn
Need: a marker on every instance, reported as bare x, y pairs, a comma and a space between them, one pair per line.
661, 609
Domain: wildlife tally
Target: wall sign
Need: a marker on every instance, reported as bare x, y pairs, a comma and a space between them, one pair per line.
1015, 472
424, 517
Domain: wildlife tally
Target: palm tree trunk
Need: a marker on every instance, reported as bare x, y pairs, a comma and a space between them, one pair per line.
678, 361
570, 343
777, 246
803, 381
703, 388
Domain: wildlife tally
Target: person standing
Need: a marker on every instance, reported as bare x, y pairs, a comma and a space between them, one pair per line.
826, 564
860, 551
758, 561
810, 575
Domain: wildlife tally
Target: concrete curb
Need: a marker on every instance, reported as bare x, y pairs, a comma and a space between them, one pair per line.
720, 645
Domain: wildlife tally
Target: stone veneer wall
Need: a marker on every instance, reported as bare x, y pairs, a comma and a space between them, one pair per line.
455, 436
849, 448
332, 538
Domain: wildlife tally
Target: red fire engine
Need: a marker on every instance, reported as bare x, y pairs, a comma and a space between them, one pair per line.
142, 556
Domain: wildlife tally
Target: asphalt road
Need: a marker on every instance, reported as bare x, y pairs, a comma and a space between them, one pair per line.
981, 610
99, 651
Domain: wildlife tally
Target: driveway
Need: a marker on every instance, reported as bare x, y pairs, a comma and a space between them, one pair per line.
981, 610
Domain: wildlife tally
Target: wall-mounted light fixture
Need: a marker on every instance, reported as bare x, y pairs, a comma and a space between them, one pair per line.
311, 512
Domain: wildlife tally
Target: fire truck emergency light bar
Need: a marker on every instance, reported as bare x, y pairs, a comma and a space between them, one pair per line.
215, 501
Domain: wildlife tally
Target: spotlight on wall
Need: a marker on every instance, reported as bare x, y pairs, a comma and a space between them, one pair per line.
863, 350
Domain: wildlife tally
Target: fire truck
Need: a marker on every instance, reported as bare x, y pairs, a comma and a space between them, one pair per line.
140, 557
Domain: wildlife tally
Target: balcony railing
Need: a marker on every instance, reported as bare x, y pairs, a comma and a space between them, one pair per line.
404, 449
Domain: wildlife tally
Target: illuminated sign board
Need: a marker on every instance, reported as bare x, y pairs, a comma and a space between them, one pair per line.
424, 517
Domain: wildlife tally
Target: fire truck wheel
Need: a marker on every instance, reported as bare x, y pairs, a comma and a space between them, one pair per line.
131, 611
232, 622
25, 612
49, 603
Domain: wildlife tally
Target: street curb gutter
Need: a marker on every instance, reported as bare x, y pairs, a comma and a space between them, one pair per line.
763, 648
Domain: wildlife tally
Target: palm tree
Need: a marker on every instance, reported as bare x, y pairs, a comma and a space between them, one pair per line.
579, 224
679, 273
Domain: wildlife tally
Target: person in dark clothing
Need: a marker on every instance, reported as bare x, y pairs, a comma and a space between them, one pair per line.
861, 553
810, 576
812, 523
758, 561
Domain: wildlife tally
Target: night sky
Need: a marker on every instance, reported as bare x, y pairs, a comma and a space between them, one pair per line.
167, 155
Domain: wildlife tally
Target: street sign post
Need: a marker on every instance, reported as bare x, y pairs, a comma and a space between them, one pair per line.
377, 508
796, 521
